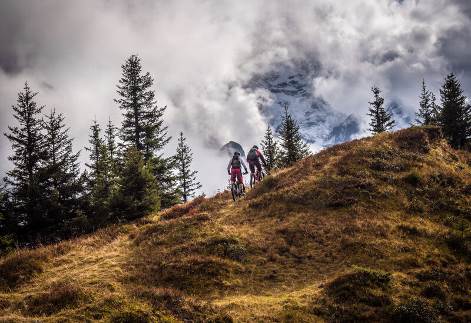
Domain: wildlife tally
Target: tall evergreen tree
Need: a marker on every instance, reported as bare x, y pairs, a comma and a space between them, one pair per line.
27, 142
142, 125
293, 147
381, 120
186, 177
167, 181
270, 149
110, 136
99, 188
455, 116
425, 114
95, 149
138, 192
60, 172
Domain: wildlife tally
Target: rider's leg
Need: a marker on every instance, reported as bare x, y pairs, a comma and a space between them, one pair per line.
240, 179
233, 175
252, 167
259, 169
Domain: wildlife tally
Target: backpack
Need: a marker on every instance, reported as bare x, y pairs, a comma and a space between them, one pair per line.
252, 155
235, 163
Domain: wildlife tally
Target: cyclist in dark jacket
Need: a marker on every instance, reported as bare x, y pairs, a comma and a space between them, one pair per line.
253, 158
234, 168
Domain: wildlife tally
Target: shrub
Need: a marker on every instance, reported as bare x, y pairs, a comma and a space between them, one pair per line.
363, 285
182, 209
413, 139
410, 229
433, 290
60, 295
19, 267
413, 178
227, 247
128, 315
414, 310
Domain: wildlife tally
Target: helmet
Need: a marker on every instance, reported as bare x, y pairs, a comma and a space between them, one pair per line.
255, 146
236, 153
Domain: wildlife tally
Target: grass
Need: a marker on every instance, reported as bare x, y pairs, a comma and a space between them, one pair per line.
371, 230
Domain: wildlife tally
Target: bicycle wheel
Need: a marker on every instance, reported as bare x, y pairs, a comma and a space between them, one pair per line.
233, 191
252, 180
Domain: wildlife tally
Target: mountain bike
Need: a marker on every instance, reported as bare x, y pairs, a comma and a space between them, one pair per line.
256, 177
237, 189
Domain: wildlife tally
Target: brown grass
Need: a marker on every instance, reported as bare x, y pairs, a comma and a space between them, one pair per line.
371, 230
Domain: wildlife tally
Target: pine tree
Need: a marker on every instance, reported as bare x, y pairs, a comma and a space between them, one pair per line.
425, 114
7, 225
110, 136
167, 181
99, 187
381, 120
59, 173
138, 193
292, 145
455, 116
186, 177
28, 146
142, 125
95, 150
270, 150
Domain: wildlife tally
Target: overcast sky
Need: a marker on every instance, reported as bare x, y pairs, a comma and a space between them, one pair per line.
202, 53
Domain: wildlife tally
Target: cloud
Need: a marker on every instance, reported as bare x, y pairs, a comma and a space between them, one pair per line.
202, 54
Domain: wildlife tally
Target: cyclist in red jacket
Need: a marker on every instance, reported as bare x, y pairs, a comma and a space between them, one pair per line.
234, 169
253, 158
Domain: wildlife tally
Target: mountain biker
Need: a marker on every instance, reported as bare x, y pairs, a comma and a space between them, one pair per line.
234, 169
253, 158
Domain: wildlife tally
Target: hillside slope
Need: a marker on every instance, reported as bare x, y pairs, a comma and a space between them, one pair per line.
366, 230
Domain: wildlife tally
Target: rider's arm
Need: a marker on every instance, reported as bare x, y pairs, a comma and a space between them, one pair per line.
261, 157
243, 164
229, 166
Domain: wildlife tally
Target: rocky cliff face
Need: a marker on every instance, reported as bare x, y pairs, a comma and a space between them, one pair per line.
232, 147
292, 84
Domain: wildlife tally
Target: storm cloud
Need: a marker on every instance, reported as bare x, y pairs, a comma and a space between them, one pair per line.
203, 53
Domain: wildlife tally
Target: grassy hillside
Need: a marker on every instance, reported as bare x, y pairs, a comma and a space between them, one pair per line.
373, 229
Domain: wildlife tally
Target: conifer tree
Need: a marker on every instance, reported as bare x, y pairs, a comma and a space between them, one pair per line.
138, 192
186, 177
293, 146
27, 142
110, 136
381, 120
425, 114
164, 172
59, 173
142, 125
98, 179
455, 116
270, 150
95, 149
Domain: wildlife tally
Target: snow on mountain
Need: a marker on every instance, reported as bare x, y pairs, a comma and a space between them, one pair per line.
291, 84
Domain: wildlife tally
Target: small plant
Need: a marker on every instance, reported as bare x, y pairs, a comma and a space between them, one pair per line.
434, 290
413, 178
414, 310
